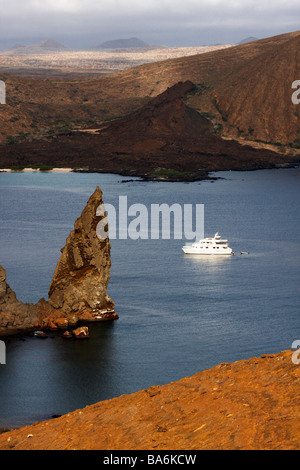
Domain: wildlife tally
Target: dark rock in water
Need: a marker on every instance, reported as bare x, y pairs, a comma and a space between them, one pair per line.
67, 334
82, 274
78, 290
40, 334
13, 313
81, 333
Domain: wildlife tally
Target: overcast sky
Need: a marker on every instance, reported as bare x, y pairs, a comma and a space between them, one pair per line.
81, 23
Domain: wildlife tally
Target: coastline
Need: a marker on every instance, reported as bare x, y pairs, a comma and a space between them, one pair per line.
35, 170
167, 175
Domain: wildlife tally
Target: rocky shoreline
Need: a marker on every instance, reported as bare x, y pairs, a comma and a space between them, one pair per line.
167, 175
78, 291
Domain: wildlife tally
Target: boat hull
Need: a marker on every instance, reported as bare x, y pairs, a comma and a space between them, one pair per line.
196, 251
209, 246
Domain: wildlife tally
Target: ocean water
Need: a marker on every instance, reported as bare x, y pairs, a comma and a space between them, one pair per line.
178, 314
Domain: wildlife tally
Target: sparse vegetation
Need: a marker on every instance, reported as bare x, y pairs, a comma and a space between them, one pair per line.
217, 128
45, 168
17, 168
41, 167
12, 140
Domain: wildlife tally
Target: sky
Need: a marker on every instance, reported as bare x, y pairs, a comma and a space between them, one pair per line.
173, 23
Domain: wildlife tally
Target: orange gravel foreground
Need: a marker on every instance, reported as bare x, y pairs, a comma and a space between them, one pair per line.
250, 404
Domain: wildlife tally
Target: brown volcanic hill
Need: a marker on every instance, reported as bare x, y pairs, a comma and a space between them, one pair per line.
255, 98
36, 107
246, 89
165, 115
248, 405
164, 139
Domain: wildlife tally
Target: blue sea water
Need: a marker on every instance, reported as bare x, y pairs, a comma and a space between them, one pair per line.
178, 315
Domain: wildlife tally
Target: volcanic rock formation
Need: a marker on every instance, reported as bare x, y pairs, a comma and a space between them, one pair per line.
79, 287
81, 277
13, 313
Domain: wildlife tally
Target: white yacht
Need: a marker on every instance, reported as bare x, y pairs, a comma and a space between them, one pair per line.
209, 246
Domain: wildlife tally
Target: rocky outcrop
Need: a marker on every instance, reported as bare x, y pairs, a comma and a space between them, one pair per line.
14, 314
247, 405
81, 333
78, 291
79, 284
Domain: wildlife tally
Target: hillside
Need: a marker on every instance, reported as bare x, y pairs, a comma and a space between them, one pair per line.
246, 88
71, 64
164, 139
245, 91
247, 405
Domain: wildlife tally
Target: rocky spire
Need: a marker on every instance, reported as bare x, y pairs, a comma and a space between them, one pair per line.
79, 284
14, 314
78, 290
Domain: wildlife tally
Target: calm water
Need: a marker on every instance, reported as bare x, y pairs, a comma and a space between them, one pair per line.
178, 314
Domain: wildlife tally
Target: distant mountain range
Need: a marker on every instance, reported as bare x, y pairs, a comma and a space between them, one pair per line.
44, 47
51, 46
122, 44
249, 39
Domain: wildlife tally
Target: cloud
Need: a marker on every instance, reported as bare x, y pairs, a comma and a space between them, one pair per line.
156, 21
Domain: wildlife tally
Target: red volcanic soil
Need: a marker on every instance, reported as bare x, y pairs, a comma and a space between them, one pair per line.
247, 405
